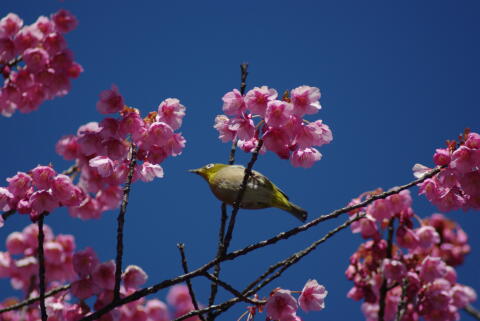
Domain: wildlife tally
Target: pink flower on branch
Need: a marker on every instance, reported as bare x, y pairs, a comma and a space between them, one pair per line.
280, 124
49, 64
281, 306
312, 296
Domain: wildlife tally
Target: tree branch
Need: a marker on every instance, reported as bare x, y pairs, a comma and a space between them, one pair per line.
41, 268
232, 290
383, 288
402, 305
472, 311
35, 299
121, 222
223, 220
181, 248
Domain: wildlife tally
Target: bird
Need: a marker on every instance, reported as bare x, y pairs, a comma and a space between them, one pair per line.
225, 182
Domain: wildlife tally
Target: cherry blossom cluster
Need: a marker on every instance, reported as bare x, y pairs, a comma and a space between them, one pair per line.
457, 186
35, 61
420, 268
39, 191
89, 278
20, 264
282, 305
102, 151
283, 129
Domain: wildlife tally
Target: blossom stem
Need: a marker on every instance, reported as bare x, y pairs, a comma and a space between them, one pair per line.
472, 311
181, 248
41, 267
35, 299
121, 223
221, 250
383, 288
402, 305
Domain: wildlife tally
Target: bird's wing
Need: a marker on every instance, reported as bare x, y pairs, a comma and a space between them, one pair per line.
263, 180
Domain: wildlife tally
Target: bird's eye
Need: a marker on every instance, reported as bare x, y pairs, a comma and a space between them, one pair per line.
209, 166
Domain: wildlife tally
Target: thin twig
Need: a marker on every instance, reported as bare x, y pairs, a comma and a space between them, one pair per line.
284, 235
238, 200
223, 220
402, 305
41, 268
220, 252
232, 290
383, 287
121, 222
181, 248
472, 311
35, 299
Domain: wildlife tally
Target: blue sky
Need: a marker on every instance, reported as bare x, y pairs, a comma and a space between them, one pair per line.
397, 80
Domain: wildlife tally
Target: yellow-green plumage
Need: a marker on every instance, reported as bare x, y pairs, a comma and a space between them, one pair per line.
225, 182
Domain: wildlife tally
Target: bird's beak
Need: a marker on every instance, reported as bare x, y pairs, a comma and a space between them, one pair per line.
196, 171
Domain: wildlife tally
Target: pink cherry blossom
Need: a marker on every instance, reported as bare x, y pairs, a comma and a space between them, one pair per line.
20, 184
64, 21
258, 98
277, 140
366, 226
171, 112
233, 103
10, 25
465, 160
427, 236
84, 288
110, 101
148, 172
305, 100
311, 134
36, 59
380, 209
109, 198
27, 37
278, 113
159, 133
134, 277
43, 176
432, 268
5, 198
157, 310
103, 165
243, 126
394, 270
16, 243
54, 43
104, 275
305, 157
473, 141
442, 157
281, 305
85, 262
42, 201
462, 295
222, 124
406, 237
312, 296
178, 295
67, 147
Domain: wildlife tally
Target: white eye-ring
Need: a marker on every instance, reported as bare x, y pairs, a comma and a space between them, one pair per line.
209, 166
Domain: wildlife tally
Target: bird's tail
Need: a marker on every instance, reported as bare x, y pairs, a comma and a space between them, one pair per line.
296, 211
